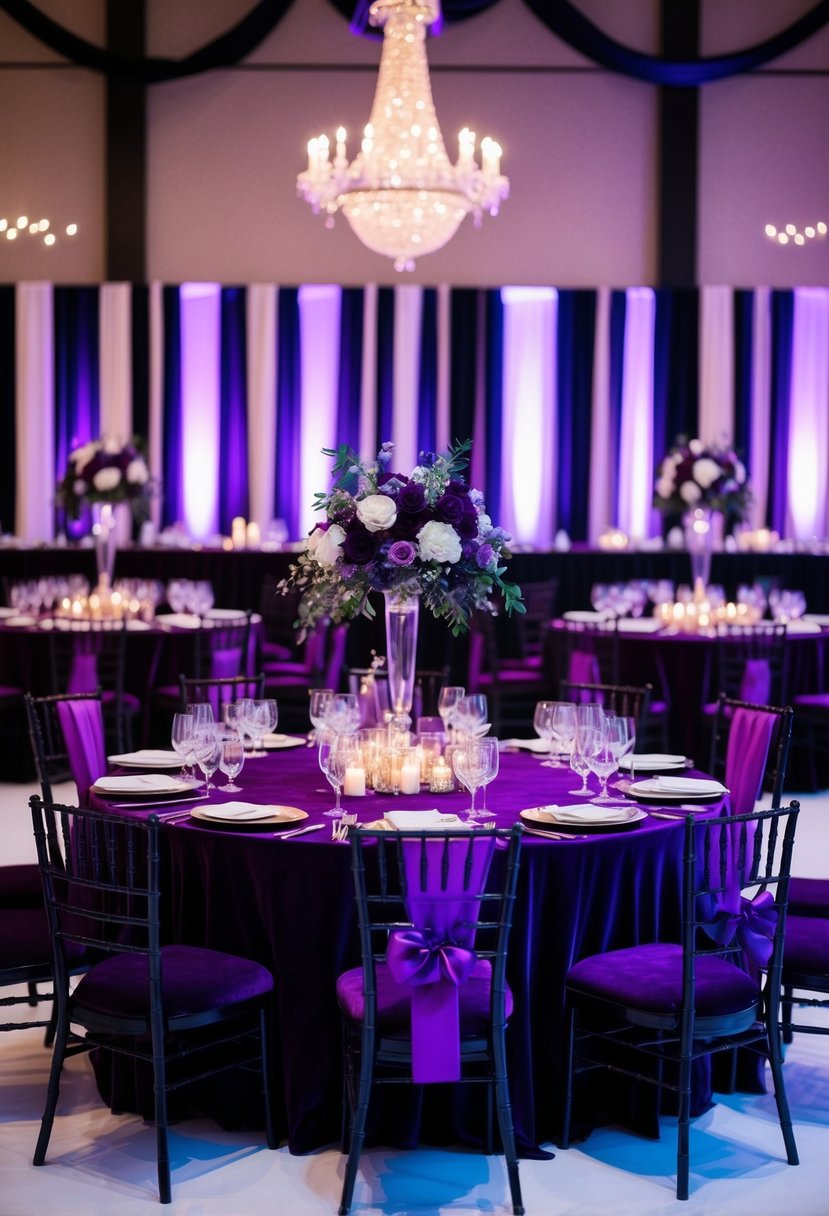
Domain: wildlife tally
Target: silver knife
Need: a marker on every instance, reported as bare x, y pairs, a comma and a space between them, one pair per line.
311, 827
140, 805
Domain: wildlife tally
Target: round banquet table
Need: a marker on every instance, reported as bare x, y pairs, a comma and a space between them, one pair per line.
289, 905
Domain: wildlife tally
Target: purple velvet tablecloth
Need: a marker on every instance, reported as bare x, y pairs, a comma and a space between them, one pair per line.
289, 905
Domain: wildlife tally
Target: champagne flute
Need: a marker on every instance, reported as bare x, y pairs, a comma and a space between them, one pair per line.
231, 762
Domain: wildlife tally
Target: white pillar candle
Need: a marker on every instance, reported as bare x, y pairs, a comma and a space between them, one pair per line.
354, 782
239, 532
253, 535
410, 777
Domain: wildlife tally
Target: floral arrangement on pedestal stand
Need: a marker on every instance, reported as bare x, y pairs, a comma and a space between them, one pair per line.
708, 487
106, 476
422, 537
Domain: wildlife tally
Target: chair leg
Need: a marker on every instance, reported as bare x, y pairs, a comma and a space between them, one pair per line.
34, 996
505, 1125
569, 1060
683, 1129
52, 1090
264, 1047
782, 1102
162, 1146
358, 1121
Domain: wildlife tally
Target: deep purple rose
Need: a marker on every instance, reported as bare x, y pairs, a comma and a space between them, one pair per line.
359, 545
449, 508
407, 526
467, 525
402, 553
412, 498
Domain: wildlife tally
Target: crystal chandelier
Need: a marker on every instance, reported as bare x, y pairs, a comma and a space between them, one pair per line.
401, 195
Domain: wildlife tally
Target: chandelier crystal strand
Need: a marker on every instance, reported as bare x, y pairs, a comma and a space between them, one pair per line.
402, 195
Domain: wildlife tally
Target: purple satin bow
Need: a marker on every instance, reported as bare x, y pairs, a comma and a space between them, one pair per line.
753, 926
433, 970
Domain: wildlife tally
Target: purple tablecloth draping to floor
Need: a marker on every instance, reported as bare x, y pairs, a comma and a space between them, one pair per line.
289, 904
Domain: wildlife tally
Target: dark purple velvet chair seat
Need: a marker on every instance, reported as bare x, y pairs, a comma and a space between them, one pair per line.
20, 887
25, 942
194, 980
806, 952
648, 979
394, 1001
809, 897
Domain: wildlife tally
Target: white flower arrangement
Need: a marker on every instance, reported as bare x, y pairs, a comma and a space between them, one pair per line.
106, 471
693, 475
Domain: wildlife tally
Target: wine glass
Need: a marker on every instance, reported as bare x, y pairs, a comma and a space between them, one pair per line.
262, 717
543, 723
605, 761
231, 761
467, 771
343, 713
564, 724
585, 742
332, 761
181, 737
207, 748
491, 757
320, 699
470, 714
448, 698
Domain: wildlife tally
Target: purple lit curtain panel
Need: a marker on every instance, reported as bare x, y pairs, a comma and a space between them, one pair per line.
558, 394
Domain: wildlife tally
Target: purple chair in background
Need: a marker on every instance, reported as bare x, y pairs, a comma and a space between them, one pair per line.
749, 750
219, 691
430, 1002
651, 1011
186, 1012
82, 722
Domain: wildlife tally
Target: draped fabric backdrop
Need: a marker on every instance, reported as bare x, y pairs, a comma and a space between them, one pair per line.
571, 397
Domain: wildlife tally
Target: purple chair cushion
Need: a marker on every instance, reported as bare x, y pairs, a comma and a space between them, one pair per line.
20, 887
194, 980
807, 896
649, 977
25, 942
807, 945
394, 1000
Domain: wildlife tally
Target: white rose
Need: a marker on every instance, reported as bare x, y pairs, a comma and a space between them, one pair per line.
111, 446
377, 512
739, 472
313, 540
484, 524
669, 466
137, 472
665, 487
438, 542
690, 492
329, 546
106, 479
696, 447
706, 472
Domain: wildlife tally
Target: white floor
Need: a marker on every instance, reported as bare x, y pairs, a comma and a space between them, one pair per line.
100, 1163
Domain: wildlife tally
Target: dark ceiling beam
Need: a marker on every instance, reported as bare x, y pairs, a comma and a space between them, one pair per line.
678, 151
126, 149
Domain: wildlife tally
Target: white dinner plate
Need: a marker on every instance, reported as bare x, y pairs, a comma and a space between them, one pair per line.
803, 626
652, 762
252, 814
145, 785
816, 618
639, 624
20, 622
179, 620
585, 618
687, 789
225, 614
147, 757
7, 612
276, 743
136, 625
583, 817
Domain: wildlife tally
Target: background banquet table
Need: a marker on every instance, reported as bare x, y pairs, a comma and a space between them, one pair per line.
289, 904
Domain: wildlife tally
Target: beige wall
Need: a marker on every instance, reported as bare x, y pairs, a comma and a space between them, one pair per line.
580, 149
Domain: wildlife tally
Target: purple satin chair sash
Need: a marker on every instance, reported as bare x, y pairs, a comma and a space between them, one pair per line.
583, 668
752, 924
434, 970
82, 724
755, 685
436, 956
749, 740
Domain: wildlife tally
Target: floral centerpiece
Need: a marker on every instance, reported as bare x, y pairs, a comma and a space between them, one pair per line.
105, 471
426, 532
693, 475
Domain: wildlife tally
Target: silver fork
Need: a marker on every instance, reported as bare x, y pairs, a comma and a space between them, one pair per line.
339, 828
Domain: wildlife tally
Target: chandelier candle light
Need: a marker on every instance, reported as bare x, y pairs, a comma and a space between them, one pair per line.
401, 194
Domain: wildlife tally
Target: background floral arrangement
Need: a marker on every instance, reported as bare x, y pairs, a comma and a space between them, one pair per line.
693, 475
427, 532
106, 471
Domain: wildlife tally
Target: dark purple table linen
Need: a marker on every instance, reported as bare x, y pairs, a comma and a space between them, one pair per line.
289, 905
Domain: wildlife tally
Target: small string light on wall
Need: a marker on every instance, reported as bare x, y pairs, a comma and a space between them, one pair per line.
792, 235
40, 229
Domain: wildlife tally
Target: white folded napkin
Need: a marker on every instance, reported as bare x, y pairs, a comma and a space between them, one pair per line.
686, 785
541, 746
140, 781
649, 760
639, 624
430, 819
585, 813
241, 810
180, 620
144, 755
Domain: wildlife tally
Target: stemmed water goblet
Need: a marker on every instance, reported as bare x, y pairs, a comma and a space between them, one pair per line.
564, 725
589, 718
448, 698
605, 761
231, 761
319, 700
491, 762
543, 723
261, 718
343, 713
208, 752
336, 752
181, 737
470, 714
468, 768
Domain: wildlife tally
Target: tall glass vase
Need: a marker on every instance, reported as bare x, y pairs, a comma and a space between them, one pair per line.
402, 613
105, 539
703, 534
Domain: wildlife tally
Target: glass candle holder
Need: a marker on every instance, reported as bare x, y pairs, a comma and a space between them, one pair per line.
431, 747
441, 778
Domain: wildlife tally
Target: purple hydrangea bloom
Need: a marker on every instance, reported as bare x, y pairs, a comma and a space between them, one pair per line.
486, 556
